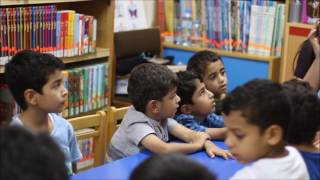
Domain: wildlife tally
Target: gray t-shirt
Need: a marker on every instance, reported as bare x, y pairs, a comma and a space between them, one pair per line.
134, 127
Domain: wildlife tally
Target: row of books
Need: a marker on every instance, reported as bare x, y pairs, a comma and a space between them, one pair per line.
86, 147
251, 26
87, 89
42, 28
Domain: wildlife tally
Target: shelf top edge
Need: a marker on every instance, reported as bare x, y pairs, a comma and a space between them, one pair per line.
101, 53
300, 25
224, 53
34, 2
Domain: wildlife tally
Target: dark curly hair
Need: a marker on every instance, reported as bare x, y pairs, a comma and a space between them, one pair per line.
306, 112
186, 87
25, 156
29, 70
200, 60
261, 102
150, 81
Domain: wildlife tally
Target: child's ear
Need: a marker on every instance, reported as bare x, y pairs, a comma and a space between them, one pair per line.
274, 135
186, 109
30, 96
153, 106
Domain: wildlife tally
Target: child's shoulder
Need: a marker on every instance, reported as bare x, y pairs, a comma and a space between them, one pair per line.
60, 122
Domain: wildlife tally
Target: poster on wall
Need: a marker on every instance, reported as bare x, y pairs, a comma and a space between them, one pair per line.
129, 15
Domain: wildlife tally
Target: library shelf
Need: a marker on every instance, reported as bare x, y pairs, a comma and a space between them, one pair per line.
33, 2
222, 52
100, 53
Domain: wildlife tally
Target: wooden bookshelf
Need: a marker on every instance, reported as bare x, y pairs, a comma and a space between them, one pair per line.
222, 52
33, 2
100, 53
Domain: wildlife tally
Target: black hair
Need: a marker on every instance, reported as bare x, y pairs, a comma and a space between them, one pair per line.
29, 70
186, 87
171, 166
200, 60
25, 156
303, 59
261, 102
306, 112
150, 81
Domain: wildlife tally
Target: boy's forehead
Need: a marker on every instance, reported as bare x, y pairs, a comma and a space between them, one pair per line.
214, 66
57, 74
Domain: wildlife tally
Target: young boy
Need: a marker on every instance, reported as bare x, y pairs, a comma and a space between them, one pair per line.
197, 106
146, 125
211, 68
28, 156
304, 124
36, 83
257, 115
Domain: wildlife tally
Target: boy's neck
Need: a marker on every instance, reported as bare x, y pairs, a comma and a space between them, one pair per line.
277, 151
307, 148
38, 122
200, 117
152, 116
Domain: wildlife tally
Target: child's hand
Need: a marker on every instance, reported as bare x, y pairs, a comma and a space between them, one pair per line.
314, 38
213, 150
199, 138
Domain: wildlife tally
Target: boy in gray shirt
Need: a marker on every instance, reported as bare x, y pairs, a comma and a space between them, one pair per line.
147, 124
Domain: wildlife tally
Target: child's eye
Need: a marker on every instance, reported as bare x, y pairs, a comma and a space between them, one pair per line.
239, 136
213, 77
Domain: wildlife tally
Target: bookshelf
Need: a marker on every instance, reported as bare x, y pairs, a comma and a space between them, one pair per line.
103, 12
239, 62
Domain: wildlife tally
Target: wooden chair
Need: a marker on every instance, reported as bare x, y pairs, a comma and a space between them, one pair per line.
92, 126
115, 118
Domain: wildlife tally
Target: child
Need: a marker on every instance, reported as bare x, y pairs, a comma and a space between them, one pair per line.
36, 83
146, 125
197, 106
211, 68
257, 115
26, 156
171, 166
304, 124
307, 66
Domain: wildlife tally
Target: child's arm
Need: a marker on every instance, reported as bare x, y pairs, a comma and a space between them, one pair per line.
313, 74
217, 133
157, 146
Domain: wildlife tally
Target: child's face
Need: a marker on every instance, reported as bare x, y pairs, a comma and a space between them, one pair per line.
245, 141
54, 94
215, 78
169, 104
203, 101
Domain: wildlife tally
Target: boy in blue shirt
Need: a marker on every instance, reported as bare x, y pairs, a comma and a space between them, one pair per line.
257, 115
148, 123
211, 69
36, 83
196, 108
304, 124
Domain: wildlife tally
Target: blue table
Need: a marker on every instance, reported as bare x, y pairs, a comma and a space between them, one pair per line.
121, 169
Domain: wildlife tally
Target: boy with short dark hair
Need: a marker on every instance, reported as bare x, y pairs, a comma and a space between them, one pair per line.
147, 124
36, 83
305, 123
196, 108
171, 166
257, 115
25, 156
211, 68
